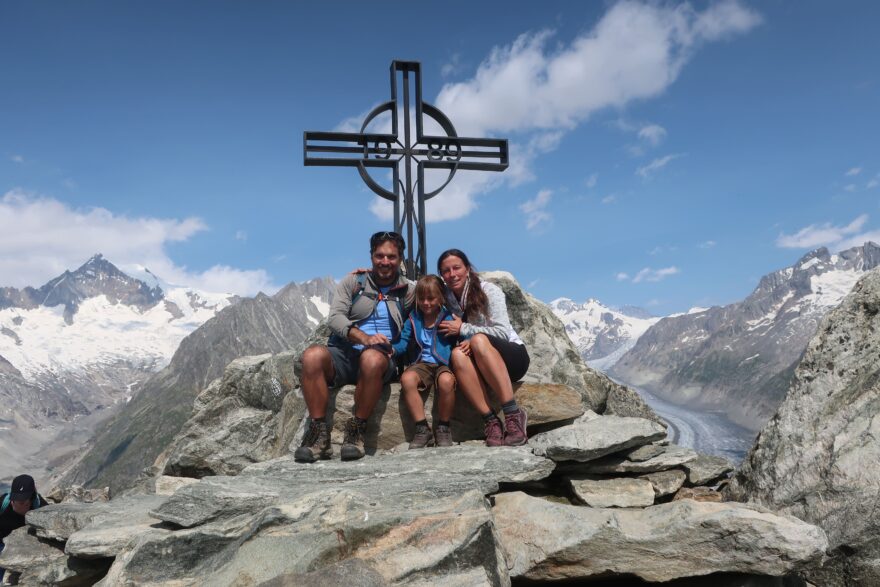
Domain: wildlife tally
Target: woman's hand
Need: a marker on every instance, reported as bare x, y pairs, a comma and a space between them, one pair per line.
450, 327
465, 347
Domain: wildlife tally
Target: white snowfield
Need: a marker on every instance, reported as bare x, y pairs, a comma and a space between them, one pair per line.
587, 322
38, 340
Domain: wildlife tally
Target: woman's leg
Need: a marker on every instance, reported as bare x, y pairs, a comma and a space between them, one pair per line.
409, 383
492, 367
469, 381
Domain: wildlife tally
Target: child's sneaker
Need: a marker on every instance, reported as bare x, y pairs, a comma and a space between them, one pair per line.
494, 434
443, 436
422, 438
515, 428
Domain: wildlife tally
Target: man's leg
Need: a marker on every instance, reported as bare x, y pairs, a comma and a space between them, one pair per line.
372, 369
371, 378
317, 370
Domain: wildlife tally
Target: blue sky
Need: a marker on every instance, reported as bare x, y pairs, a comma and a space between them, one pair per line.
664, 155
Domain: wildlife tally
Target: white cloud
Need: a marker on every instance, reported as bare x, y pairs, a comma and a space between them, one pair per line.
536, 210
42, 237
656, 165
609, 199
872, 183
17, 159
241, 235
707, 244
850, 187
828, 235
853, 171
591, 181
653, 134
453, 67
648, 274
537, 91
621, 276
532, 284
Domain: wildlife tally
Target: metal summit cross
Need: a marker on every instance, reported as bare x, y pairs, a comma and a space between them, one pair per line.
393, 151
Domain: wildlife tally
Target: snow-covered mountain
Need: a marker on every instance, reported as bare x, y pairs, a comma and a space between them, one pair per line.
739, 358
93, 332
601, 334
81, 344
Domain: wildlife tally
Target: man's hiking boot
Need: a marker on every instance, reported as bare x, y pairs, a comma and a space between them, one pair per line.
515, 428
494, 434
443, 436
315, 444
353, 441
423, 437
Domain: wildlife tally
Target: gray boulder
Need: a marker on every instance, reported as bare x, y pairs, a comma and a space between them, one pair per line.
547, 541
818, 458
666, 482
614, 492
595, 438
38, 561
706, 468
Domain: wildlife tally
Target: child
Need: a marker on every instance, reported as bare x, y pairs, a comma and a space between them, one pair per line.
431, 369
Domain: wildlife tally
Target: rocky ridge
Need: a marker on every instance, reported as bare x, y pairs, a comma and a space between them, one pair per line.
146, 425
740, 358
818, 458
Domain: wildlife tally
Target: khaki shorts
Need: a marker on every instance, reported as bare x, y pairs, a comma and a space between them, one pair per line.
429, 375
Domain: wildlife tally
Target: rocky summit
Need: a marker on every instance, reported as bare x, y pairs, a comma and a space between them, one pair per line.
819, 457
598, 495
465, 515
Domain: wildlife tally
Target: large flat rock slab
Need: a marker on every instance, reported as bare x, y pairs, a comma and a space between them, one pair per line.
596, 437
404, 540
671, 457
97, 530
547, 541
431, 472
706, 468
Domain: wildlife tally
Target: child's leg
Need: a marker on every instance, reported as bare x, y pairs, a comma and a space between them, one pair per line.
445, 395
409, 383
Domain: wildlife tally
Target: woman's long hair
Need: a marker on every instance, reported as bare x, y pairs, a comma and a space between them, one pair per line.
473, 300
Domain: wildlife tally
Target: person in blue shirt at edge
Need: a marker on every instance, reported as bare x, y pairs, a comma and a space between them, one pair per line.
430, 371
366, 315
21, 499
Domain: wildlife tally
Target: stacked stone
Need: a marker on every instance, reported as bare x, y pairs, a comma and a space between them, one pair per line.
612, 461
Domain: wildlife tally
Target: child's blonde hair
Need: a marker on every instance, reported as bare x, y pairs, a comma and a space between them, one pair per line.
430, 284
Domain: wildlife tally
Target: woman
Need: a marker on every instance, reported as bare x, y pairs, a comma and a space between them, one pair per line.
490, 352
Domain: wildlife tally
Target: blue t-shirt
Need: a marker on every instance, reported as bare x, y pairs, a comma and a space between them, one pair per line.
379, 322
427, 339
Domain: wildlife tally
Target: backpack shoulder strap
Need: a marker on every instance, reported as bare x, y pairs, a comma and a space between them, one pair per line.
361, 284
5, 504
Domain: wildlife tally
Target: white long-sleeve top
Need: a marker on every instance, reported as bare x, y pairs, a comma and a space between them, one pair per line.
496, 325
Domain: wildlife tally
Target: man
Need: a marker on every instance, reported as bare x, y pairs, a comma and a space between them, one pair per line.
366, 315
21, 499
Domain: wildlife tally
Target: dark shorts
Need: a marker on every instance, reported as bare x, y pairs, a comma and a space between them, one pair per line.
429, 375
515, 357
347, 363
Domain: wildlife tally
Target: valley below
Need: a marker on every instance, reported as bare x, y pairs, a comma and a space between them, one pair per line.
709, 432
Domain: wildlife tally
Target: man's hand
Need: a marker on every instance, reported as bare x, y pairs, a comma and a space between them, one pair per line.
450, 327
360, 270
